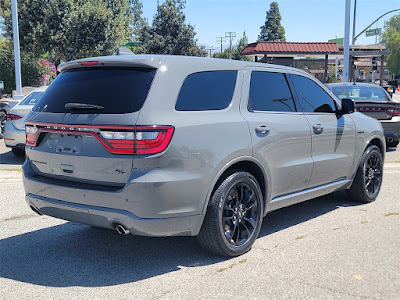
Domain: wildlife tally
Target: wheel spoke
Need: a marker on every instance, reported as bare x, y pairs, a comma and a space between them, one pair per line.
249, 207
227, 207
247, 229
250, 221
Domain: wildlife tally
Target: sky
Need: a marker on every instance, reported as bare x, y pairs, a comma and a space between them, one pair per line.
303, 20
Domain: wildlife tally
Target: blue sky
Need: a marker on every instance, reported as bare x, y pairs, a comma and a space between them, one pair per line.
304, 20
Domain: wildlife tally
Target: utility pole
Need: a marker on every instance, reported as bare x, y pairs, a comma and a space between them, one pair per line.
220, 40
17, 57
210, 49
346, 41
230, 35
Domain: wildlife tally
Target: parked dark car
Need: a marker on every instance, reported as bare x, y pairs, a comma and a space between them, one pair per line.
375, 102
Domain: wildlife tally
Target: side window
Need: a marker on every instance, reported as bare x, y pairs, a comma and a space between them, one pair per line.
212, 90
270, 92
312, 97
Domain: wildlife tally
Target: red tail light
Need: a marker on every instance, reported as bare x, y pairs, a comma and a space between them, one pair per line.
89, 63
116, 139
395, 112
12, 117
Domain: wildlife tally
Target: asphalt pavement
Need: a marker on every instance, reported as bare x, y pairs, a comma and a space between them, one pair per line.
325, 248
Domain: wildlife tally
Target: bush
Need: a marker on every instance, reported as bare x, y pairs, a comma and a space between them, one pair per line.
31, 71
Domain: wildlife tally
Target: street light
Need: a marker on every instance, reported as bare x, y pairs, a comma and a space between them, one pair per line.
14, 9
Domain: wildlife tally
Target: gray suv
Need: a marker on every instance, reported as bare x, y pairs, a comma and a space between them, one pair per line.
184, 146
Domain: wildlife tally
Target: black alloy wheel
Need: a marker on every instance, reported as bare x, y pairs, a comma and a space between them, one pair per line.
234, 216
372, 174
368, 180
240, 214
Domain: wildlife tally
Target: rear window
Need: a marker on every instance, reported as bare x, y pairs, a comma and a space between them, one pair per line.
211, 90
118, 91
360, 93
32, 98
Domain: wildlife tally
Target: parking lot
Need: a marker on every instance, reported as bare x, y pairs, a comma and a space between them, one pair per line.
320, 249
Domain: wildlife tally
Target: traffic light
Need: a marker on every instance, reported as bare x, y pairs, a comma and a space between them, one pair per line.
374, 65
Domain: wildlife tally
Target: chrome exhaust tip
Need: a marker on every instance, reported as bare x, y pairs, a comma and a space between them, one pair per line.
36, 210
121, 229
390, 139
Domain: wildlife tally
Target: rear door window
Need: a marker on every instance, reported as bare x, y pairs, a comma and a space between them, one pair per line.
117, 90
32, 98
211, 90
270, 92
311, 96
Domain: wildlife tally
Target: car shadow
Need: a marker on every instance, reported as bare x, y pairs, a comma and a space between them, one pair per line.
9, 158
78, 255
292, 215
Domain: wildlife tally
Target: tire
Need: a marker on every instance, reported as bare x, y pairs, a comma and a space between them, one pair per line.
3, 117
18, 151
368, 180
234, 216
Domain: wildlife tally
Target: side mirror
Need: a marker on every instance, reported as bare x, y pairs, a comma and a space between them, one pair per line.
348, 106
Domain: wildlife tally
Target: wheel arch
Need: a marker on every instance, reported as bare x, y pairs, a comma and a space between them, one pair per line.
248, 164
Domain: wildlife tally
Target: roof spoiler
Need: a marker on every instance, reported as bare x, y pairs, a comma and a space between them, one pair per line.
124, 51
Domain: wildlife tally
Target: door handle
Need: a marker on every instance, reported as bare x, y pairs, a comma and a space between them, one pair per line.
318, 128
262, 129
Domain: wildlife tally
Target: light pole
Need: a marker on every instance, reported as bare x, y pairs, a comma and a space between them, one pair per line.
346, 41
18, 84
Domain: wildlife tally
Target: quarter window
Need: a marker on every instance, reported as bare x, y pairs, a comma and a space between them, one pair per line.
312, 97
270, 92
212, 90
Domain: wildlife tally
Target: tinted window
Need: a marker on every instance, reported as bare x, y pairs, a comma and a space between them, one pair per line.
312, 97
360, 92
32, 98
270, 92
207, 91
117, 90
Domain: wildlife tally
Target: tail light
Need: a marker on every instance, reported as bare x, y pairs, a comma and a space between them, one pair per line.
395, 112
116, 139
12, 117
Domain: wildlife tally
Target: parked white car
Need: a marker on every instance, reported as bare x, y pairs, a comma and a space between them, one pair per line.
14, 129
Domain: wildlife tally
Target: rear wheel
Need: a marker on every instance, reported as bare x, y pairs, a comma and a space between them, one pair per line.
234, 216
18, 151
368, 180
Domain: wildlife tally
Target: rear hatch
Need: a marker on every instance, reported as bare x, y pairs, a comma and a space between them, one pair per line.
379, 110
82, 129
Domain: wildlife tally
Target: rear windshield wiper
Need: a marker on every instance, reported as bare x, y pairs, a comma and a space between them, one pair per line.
83, 106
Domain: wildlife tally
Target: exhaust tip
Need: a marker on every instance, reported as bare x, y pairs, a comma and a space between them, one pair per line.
121, 229
36, 210
390, 139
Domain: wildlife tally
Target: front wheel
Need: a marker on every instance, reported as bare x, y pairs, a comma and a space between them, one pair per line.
234, 216
368, 180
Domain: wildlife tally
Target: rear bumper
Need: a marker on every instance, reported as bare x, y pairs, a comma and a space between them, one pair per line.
108, 218
392, 132
149, 204
14, 137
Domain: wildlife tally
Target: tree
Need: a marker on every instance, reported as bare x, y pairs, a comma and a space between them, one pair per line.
168, 33
243, 42
272, 30
31, 70
391, 37
71, 29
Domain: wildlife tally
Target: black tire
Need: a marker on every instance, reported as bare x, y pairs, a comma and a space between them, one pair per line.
234, 216
368, 180
18, 151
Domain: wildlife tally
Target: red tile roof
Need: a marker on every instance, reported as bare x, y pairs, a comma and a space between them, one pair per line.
294, 48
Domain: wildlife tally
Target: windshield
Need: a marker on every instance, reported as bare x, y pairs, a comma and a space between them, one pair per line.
32, 98
114, 90
360, 93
